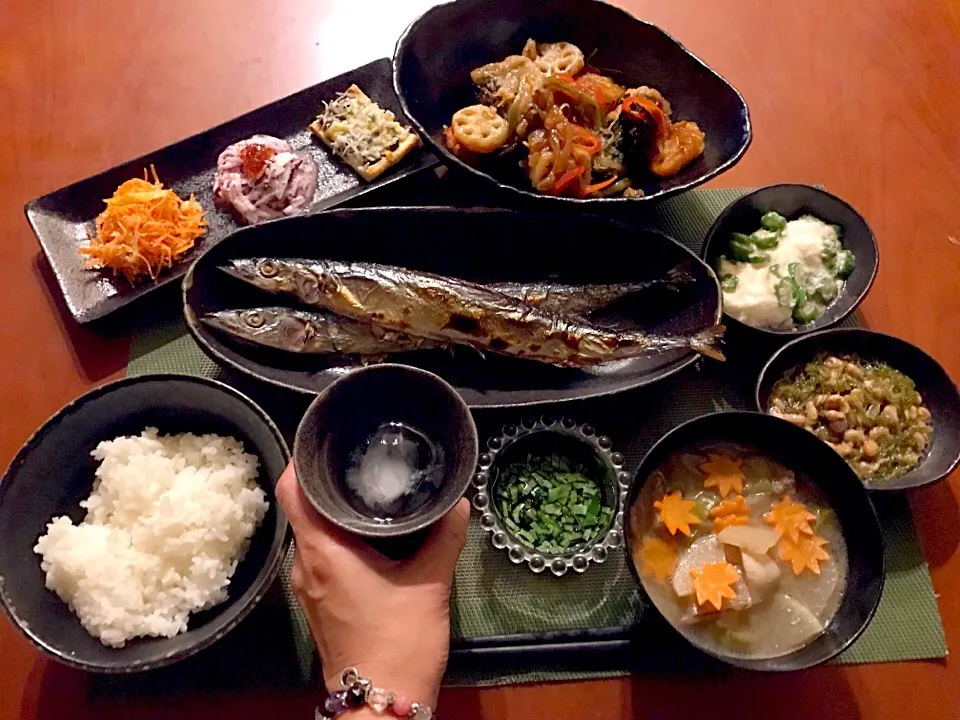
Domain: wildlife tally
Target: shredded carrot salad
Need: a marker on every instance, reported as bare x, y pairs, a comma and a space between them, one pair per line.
144, 229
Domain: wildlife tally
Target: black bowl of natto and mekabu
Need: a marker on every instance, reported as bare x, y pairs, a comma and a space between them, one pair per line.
551, 493
754, 541
885, 406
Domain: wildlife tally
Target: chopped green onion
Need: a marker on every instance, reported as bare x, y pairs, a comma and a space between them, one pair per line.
551, 505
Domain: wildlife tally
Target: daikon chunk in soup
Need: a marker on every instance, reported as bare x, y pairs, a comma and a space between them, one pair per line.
741, 555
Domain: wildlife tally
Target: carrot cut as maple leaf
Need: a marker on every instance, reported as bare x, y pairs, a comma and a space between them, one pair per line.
657, 558
712, 583
805, 554
730, 512
790, 519
723, 473
675, 513
737, 506
729, 520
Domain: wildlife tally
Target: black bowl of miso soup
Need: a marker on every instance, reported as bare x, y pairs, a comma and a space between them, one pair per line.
755, 541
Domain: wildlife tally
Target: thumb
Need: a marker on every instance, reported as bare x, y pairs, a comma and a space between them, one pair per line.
442, 548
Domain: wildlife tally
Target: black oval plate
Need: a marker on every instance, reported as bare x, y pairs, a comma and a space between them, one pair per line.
939, 393
434, 57
792, 201
484, 245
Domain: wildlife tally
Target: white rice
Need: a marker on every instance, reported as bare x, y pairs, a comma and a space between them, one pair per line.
167, 523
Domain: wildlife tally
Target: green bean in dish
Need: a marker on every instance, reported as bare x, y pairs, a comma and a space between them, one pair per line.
867, 411
784, 273
551, 505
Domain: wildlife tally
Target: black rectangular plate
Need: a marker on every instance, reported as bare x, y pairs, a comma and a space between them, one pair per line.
61, 218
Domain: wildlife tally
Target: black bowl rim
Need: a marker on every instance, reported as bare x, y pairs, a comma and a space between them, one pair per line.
193, 324
745, 663
417, 522
448, 157
261, 585
796, 332
893, 339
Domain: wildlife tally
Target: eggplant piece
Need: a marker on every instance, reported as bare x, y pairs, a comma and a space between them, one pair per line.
638, 138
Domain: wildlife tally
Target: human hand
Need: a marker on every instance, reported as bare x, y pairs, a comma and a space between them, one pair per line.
390, 619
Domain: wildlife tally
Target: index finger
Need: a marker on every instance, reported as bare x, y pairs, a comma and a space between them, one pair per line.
295, 505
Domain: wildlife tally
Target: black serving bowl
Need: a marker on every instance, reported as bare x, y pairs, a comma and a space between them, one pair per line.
792, 201
349, 411
939, 393
434, 57
53, 472
800, 451
578, 443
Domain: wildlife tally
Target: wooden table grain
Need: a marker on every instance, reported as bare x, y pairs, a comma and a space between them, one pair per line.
862, 97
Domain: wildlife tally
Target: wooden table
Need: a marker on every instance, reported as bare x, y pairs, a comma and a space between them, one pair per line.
861, 97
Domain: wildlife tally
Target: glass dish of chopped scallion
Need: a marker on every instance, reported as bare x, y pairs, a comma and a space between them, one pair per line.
550, 504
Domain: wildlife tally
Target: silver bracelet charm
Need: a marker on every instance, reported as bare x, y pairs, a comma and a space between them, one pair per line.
357, 691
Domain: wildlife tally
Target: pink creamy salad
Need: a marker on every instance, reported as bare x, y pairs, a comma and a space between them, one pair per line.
262, 178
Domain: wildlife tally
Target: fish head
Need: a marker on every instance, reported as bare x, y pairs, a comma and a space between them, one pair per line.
275, 327
268, 274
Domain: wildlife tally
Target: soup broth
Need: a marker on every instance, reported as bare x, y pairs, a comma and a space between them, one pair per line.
740, 555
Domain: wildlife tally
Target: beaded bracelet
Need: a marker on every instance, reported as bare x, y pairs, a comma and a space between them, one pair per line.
357, 691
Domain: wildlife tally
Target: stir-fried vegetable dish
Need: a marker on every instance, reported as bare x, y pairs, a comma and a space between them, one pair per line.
551, 505
867, 411
738, 553
585, 136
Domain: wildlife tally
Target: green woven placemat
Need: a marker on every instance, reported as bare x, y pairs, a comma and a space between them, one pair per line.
493, 598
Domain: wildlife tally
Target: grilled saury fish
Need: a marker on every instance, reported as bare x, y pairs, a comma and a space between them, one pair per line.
585, 299
449, 310
300, 331
317, 332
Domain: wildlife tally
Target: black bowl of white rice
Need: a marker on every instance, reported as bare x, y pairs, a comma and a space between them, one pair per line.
139, 524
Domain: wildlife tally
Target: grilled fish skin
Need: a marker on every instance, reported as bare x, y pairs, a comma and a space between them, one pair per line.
585, 299
302, 331
456, 311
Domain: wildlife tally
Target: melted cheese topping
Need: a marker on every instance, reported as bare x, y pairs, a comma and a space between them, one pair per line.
359, 130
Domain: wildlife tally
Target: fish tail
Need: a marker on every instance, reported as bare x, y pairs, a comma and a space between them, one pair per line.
705, 342
680, 275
